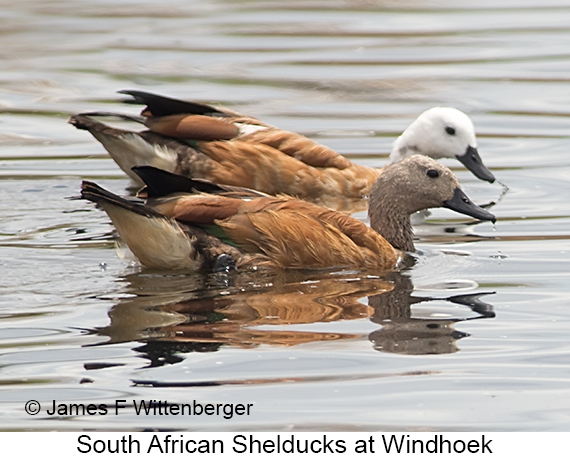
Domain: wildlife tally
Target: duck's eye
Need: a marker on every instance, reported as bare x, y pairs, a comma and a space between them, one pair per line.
433, 173
450, 130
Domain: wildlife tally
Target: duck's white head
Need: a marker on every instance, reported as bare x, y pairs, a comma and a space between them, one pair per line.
442, 132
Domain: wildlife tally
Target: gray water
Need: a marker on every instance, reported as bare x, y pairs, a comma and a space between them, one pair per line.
473, 336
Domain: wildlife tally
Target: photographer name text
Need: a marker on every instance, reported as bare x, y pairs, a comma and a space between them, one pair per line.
141, 408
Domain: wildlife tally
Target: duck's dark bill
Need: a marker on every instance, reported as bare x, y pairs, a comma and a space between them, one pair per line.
474, 164
462, 204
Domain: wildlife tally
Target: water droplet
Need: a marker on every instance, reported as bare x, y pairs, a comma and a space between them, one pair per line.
499, 256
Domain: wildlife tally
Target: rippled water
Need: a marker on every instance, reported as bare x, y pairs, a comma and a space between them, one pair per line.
473, 336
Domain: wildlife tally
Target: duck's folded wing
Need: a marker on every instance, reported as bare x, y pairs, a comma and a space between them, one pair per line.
297, 234
299, 147
314, 173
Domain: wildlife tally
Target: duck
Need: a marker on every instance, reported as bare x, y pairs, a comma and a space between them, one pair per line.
201, 141
184, 223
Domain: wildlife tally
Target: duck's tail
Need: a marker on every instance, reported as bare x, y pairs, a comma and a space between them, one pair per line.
95, 193
85, 121
129, 148
156, 240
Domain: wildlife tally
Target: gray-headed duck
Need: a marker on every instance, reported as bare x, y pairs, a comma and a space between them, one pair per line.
192, 224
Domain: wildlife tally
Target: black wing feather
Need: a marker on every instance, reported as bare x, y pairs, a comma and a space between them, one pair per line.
160, 105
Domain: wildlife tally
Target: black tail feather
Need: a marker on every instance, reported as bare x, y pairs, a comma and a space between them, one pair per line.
85, 121
126, 117
95, 193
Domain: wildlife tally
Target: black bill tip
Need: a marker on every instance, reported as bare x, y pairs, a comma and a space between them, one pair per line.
462, 204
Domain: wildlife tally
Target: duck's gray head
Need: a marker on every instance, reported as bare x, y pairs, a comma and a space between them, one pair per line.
442, 132
419, 183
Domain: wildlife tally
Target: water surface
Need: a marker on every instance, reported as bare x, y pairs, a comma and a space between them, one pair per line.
472, 336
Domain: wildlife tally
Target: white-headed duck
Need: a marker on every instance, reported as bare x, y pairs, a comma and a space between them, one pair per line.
225, 147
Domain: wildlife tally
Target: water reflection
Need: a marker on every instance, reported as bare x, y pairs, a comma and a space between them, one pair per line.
231, 309
208, 313
404, 334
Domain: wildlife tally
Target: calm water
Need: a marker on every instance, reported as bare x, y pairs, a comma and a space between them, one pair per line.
473, 336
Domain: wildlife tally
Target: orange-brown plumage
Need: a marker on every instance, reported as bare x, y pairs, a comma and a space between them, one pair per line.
195, 126
297, 234
275, 162
198, 209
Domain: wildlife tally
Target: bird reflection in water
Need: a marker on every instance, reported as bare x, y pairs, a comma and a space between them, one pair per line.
222, 311
404, 334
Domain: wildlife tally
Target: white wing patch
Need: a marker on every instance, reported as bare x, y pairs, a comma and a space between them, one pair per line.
246, 129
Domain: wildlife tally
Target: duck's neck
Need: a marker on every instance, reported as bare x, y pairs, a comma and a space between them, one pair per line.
401, 151
388, 219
